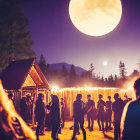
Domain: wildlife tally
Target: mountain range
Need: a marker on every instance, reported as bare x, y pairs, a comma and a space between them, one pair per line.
59, 66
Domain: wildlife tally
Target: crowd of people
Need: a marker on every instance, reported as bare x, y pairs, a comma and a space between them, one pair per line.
55, 119
26, 108
125, 118
103, 114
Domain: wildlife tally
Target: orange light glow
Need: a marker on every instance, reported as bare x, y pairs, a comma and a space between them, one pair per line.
94, 91
54, 88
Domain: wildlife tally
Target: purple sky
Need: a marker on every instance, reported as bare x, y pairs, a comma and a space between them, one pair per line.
59, 41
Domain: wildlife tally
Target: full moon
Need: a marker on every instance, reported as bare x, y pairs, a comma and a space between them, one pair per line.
95, 17
105, 63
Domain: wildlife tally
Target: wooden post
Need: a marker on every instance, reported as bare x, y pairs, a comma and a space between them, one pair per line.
33, 117
47, 96
70, 104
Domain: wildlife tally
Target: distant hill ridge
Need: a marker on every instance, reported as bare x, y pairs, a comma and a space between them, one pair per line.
59, 66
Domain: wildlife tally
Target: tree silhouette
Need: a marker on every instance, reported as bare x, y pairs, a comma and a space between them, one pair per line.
15, 39
64, 71
42, 64
122, 70
116, 77
91, 70
72, 76
72, 71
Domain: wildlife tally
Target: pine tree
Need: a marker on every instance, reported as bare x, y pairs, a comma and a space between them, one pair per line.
49, 72
116, 81
91, 70
15, 39
106, 81
72, 71
64, 71
111, 78
42, 64
116, 77
102, 81
111, 81
122, 70
72, 76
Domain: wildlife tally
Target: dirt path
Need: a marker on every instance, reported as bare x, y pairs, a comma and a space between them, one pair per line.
66, 134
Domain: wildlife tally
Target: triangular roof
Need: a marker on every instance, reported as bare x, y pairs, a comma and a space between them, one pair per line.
14, 77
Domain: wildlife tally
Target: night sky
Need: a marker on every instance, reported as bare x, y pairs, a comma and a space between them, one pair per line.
59, 41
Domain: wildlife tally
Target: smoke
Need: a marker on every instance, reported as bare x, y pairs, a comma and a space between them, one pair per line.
129, 83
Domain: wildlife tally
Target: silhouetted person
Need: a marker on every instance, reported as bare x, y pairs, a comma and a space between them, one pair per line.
29, 107
126, 99
89, 110
108, 113
55, 116
117, 108
48, 120
131, 117
100, 113
62, 103
11, 96
79, 112
72, 127
77, 131
40, 114
23, 109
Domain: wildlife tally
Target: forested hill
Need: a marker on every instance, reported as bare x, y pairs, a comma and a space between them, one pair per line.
59, 66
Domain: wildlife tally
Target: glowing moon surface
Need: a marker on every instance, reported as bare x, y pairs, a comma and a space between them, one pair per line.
105, 63
95, 17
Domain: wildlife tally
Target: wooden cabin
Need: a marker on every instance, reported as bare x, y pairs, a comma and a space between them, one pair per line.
24, 77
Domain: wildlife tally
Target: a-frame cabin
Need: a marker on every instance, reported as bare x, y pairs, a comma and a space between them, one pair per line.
24, 77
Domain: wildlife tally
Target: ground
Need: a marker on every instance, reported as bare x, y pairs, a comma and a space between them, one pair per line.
66, 133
